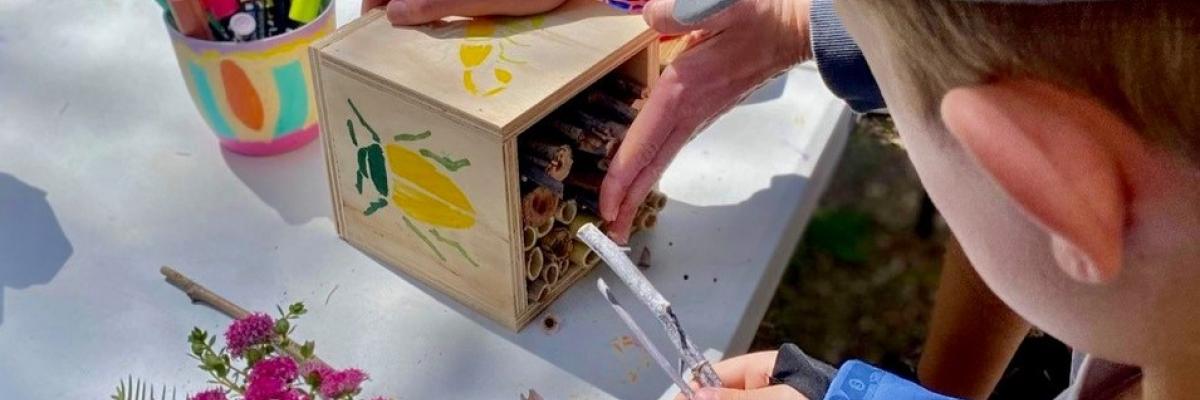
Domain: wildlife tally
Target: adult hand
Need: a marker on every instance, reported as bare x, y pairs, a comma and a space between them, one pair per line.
729, 55
415, 12
747, 377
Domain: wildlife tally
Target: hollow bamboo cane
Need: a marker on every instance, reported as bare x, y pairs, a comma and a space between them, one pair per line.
529, 238
550, 272
566, 212
534, 261
537, 291
582, 256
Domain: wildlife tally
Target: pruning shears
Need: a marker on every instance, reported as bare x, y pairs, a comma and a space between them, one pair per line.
690, 358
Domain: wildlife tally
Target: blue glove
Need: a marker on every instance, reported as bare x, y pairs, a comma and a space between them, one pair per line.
857, 380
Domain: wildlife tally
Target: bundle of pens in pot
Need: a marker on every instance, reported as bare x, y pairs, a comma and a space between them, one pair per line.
563, 160
246, 66
242, 20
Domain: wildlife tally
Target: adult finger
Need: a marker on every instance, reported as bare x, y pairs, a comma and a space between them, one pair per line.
367, 5
777, 392
659, 15
685, 96
413, 12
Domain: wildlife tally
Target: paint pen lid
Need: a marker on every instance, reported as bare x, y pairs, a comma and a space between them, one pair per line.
222, 8
242, 24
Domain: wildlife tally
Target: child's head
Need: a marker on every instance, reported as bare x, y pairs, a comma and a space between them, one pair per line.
1062, 144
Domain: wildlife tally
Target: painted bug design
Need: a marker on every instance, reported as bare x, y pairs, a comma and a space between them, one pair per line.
482, 53
407, 180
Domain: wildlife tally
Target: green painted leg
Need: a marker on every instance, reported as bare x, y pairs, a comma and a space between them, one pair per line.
422, 236
453, 244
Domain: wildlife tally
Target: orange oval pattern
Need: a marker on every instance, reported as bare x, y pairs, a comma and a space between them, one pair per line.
242, 97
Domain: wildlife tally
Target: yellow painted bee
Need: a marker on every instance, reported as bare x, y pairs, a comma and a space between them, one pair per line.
482, 52
413, 184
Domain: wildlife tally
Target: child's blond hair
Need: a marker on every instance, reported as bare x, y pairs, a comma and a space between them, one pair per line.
1139, 57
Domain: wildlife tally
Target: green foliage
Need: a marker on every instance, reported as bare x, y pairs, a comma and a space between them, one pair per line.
842, 233
139, 390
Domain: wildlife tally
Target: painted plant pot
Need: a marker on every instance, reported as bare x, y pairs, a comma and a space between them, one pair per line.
256, 96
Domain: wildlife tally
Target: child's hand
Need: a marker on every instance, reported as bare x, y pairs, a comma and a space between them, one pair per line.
747, 377
414, 12
729, 55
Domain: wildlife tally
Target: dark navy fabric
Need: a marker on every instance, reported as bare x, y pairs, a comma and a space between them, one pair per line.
841, 62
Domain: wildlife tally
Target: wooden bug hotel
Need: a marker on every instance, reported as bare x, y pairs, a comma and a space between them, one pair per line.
466, 152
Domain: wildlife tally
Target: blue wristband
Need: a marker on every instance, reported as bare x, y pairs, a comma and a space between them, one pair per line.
857, 380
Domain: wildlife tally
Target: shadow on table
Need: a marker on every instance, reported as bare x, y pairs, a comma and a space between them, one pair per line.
581, 317
294, 184
33, 247
771, 90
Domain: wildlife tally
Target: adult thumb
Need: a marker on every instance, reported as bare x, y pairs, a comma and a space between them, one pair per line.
777, 392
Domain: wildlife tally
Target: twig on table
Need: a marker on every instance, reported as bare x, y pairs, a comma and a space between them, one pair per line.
644, 340
200, 294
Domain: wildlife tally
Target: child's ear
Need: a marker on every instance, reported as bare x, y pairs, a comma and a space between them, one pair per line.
1053, 152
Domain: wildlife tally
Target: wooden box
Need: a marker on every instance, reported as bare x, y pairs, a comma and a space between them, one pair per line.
420, 127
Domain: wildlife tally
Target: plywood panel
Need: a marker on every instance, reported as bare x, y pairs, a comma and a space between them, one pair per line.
501, 73
427, 195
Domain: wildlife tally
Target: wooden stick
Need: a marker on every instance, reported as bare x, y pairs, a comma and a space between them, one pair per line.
610, 131
537, 291
566, 212
554, 158
534, 261
585, 140
533, 176
626, 88
538, 207
199, 294
622, 111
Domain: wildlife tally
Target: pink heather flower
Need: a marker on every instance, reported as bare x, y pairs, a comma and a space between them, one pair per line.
252, 330
315, 371
281, 367
266, 388
210, 394
294, 394
341, 383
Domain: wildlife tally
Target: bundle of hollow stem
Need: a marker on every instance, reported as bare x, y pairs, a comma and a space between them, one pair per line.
563, 160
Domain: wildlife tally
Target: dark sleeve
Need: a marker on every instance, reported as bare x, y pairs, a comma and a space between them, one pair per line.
807, 375
840, 61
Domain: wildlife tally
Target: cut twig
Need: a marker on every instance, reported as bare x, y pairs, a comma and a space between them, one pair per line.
538, 207
532, 176
610, 131
585, 140
656, 200
200, 294
557, 243
534, 261
544, 228
553, 158
622, 111
641, 287
626, 88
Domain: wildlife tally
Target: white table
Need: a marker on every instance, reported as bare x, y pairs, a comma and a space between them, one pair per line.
108, 172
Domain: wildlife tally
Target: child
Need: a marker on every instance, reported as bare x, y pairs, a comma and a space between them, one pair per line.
1062, 145
1057, 137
